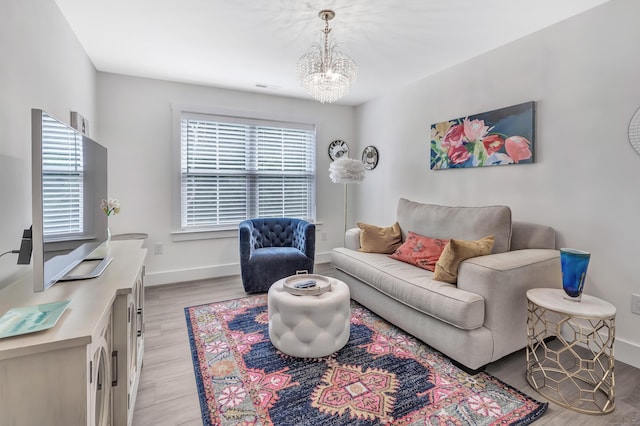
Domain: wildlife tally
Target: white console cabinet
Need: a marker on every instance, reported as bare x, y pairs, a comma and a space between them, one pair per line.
85, 370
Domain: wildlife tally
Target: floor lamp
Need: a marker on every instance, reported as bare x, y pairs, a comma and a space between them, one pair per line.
345, 170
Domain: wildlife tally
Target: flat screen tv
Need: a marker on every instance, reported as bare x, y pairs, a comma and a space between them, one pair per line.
69, 181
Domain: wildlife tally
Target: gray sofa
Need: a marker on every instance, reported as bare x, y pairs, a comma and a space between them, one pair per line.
483, 317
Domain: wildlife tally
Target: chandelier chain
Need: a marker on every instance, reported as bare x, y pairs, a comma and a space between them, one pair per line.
326, 63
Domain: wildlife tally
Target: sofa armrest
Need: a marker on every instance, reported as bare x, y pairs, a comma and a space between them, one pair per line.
503, 280
525, 235
352, 239
245, 230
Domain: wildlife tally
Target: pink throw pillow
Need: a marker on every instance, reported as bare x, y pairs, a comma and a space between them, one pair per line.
420, 251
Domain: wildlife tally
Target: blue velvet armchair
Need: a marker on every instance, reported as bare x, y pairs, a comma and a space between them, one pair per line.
274, 248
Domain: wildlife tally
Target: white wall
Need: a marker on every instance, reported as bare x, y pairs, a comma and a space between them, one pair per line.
136, 127
42, 65
583, 75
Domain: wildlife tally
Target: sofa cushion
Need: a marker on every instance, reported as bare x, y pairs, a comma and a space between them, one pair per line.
413, 287
461, 223
420, 251
457, 251
376, 239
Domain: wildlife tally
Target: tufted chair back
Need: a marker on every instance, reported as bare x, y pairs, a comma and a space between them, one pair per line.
277, 232
271, 247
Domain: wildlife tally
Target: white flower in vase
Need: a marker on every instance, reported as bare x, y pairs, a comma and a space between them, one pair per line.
110, 206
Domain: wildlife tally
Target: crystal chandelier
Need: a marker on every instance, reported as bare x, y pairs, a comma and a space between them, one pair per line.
325, 72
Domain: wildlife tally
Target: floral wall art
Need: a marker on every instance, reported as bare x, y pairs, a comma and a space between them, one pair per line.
493, 138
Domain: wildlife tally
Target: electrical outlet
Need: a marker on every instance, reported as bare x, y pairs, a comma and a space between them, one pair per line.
635, 303
158, 248
324, 235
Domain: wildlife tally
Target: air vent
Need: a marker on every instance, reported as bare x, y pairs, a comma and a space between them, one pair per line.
267, 86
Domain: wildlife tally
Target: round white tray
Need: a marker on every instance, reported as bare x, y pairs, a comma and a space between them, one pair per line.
323, 285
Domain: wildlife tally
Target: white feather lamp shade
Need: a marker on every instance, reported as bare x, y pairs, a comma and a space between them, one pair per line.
346, 170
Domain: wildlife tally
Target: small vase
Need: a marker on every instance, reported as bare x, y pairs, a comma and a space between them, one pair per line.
574, 265
108, 235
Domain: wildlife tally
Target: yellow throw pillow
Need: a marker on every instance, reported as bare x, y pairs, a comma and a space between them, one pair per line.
376, 239
457, 251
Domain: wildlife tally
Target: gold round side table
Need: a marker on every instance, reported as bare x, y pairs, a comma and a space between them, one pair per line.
570, 350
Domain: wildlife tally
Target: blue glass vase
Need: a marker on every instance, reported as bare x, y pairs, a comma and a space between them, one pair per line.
574, 265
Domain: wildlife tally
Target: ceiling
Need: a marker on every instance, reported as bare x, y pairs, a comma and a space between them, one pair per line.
245, 44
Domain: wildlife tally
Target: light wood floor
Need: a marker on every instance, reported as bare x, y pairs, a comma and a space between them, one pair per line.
167, 392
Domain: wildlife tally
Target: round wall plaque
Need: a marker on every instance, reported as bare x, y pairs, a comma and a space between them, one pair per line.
370, 157
634, 131
338, 149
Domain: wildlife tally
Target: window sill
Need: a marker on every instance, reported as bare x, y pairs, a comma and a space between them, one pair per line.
211, 234
208, 234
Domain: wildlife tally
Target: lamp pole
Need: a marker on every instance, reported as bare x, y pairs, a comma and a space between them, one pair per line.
345, 210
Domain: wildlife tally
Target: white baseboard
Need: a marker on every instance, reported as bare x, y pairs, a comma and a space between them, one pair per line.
627, 352
203, 273
623, 350
323, 257
191, 274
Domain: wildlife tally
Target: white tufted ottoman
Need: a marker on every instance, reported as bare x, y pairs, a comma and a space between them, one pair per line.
309, 326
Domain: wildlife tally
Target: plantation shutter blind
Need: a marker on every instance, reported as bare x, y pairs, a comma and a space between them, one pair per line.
62, 179
234, 168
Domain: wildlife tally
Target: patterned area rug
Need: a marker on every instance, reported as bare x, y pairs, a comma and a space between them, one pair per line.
382, 376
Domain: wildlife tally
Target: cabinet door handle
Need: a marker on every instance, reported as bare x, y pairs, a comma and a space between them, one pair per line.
114, 368
139, 322
98, 379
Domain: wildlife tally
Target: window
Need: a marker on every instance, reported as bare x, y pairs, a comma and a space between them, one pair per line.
234, 168
62, 179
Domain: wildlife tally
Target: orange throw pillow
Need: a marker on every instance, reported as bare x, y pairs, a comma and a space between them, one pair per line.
420, 251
